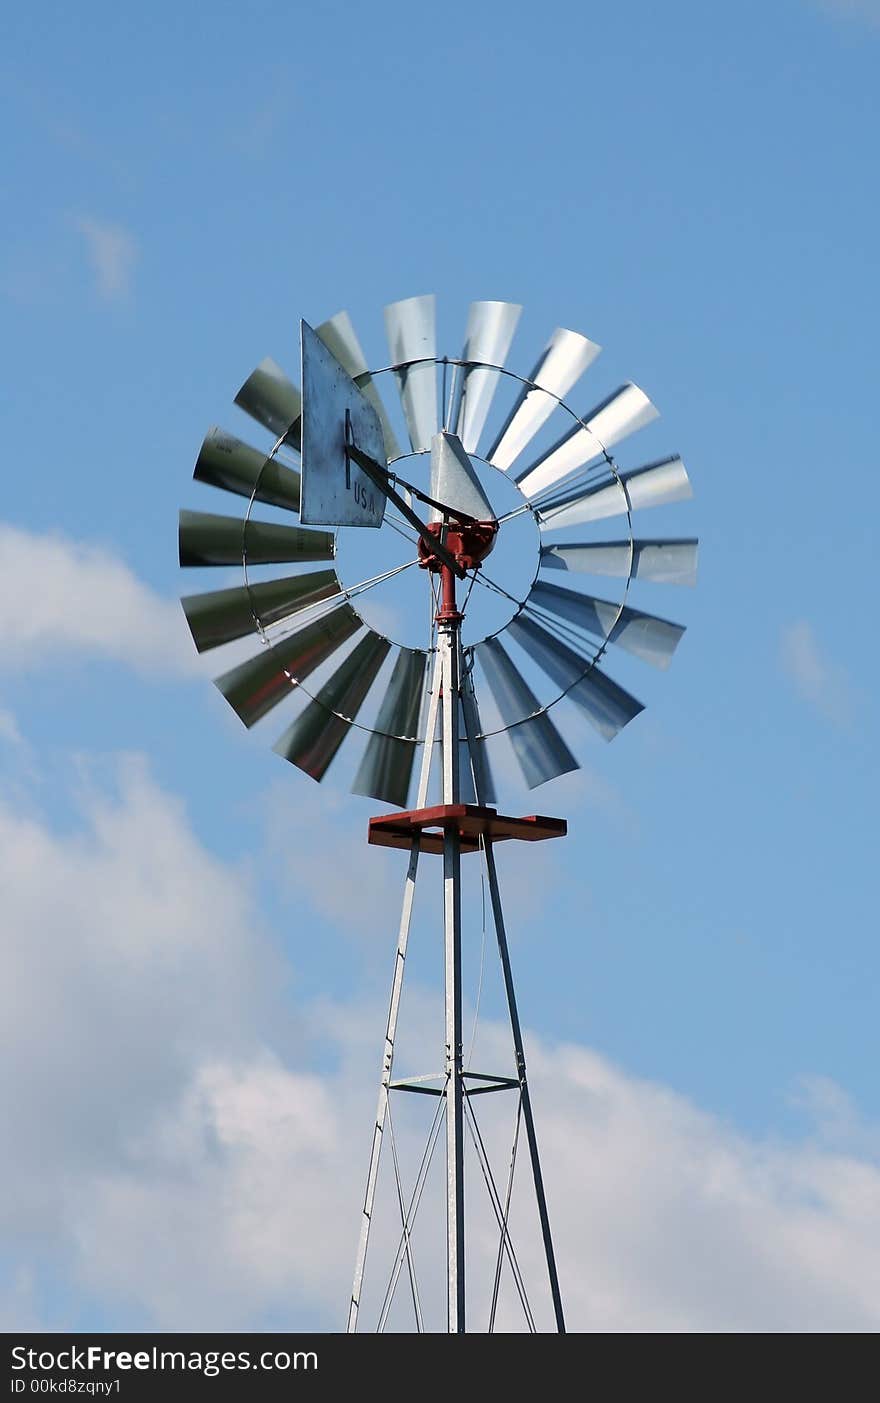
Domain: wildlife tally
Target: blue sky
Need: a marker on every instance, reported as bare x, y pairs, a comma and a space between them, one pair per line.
692, 187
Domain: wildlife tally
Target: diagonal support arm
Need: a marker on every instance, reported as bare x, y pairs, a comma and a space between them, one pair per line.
381, 478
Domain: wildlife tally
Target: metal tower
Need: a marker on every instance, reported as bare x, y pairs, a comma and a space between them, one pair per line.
448, 830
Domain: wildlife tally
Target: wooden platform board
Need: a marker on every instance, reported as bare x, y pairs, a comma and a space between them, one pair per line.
471, 821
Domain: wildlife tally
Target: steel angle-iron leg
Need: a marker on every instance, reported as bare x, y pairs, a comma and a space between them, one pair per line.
449, 622
409, 890
528, 1118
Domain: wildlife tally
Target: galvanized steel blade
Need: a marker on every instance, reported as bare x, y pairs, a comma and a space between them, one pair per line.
479, 755
255, 686
647, 637
671, 562
653, 485
539, 748
340, 338
410, 328
206, 539
489, 332
224, 461
274, 401
454, 481
224, 614
467, 793
386, 766
313, 739
618, 416
606, 705
564, 360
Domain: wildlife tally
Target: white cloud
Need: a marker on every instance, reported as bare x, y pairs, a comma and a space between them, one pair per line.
178, 1160
112, 252
317, 838
62, 596
824, 684
246, 1197
672, 1221
9, 731
126, 953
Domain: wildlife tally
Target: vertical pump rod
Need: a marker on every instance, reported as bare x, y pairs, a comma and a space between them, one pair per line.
449, 645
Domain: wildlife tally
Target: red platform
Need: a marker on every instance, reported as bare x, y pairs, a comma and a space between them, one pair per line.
471, 821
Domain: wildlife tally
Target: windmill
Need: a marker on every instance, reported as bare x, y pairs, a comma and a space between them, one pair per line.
485, 462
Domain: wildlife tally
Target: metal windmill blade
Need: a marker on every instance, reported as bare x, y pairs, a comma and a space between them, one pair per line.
226, 462
647, 637
538, 746
653, 485
618, 416
386, 768
563, 361
490, 330
410, 327
206, 539
476, 776
606, 706
256, 686
668, 562
273, 400
340, 338
313, 739
222, 615
467, 788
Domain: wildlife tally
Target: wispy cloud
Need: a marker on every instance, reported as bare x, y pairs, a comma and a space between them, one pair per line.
112, 251
82, 599
9, 731
259, 131
838, 1121
825, 684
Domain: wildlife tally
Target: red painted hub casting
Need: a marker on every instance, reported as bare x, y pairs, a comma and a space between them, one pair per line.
468, 543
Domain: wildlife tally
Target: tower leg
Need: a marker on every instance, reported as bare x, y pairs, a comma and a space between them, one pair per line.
528, 1118
409, 891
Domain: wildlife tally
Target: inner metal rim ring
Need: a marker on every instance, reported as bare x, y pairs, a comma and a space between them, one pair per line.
610, 464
